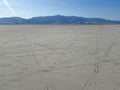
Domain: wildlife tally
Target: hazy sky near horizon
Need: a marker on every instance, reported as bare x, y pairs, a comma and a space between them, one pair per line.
109, 9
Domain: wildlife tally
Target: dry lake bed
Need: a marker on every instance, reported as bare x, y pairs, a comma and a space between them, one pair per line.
60, 57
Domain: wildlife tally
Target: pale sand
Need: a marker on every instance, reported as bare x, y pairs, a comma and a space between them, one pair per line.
60, 57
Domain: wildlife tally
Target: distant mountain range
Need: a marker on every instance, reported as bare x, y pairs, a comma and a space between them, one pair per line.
57, 19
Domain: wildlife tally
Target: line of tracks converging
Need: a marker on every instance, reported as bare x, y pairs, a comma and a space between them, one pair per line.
99, 64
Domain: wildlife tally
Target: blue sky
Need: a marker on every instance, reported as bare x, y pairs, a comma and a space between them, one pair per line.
109, 9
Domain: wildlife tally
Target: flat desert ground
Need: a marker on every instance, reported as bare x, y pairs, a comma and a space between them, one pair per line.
60, 57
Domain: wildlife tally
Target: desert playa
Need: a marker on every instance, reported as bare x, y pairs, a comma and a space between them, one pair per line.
60, 57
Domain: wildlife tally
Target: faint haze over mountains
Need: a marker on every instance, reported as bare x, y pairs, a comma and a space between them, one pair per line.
109, 9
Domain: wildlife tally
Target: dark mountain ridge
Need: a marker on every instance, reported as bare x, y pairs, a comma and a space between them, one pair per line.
57, 19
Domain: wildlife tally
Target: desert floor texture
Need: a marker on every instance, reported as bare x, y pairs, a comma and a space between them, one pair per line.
60, 57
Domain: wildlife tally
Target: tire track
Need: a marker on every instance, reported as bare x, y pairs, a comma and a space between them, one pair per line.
67, 51
37, 64
28, 73
99, 65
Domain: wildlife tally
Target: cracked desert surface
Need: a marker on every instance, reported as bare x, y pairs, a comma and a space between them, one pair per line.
60, 57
